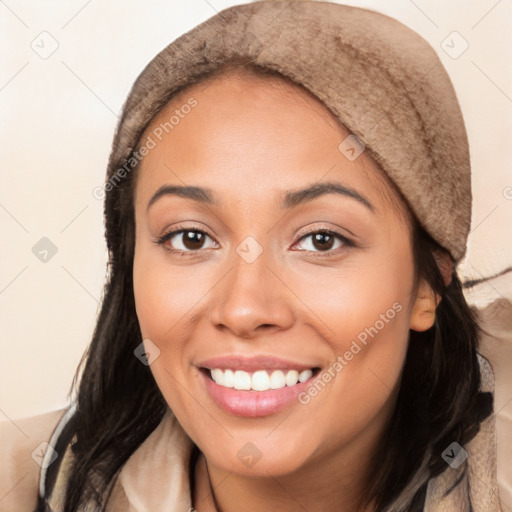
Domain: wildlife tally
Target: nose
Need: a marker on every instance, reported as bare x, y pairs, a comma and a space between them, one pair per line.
252, 298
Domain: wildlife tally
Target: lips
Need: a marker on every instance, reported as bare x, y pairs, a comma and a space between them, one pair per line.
266, 384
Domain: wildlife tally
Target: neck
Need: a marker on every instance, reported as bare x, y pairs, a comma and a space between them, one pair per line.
226, 492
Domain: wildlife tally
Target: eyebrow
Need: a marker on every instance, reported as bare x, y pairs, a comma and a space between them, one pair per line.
200, 194
291, 199
296, 197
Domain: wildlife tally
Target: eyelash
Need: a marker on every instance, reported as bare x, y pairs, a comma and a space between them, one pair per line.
318, 254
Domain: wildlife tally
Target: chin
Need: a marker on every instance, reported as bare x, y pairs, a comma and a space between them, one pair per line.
258, 458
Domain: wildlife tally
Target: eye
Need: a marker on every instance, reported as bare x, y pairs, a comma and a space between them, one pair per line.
323, 240
187, 240
192, 240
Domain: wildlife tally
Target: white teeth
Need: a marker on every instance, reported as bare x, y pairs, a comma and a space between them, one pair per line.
277, 380
229, 378
292, 377
259, 380
305, 375
218, 376
242, 380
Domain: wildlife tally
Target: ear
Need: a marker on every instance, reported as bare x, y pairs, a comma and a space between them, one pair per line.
423, 313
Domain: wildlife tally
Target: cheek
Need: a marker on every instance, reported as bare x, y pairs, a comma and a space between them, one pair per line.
362, 313
365, 300
168, 300
165, 294
164, 302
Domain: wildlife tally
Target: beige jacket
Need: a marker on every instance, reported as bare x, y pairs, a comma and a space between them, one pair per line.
155, 477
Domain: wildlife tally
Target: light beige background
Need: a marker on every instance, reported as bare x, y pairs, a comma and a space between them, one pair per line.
58, 115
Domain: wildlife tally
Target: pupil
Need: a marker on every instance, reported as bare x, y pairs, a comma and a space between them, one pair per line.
193, 239
322, 236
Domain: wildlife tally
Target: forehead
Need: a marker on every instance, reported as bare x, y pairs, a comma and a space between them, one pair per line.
241, 94
256, 131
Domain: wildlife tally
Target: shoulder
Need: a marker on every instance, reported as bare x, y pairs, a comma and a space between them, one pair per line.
496, 318
23, 444
495, 345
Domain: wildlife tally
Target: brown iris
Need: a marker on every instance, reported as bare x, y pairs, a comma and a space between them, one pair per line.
323, 241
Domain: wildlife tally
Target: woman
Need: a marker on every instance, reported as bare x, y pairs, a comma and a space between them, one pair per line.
283, 327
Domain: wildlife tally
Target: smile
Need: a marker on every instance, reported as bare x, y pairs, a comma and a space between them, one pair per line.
256, 392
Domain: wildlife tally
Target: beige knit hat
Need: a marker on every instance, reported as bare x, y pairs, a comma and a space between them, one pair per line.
382, 80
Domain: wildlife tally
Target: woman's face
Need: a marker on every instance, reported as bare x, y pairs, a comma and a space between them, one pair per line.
252, 285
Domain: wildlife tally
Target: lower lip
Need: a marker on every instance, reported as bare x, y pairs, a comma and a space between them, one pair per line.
252, 404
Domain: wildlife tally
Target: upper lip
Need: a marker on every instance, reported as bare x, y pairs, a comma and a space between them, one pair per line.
252, 363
